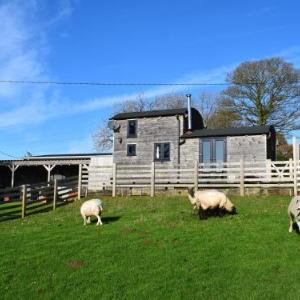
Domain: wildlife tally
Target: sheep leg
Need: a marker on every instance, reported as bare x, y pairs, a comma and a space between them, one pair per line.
202, 214
99, 220
220, 212
84, 220
291, 224
89, 220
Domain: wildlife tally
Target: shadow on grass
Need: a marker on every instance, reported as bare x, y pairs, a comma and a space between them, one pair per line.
215, 212
11, 213
106, 220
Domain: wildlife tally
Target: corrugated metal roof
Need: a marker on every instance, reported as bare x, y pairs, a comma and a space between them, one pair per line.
63, 156
253, 130
150, 113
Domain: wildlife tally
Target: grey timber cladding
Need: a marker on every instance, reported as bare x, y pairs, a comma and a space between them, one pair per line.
189, 151
249, 148
149, 131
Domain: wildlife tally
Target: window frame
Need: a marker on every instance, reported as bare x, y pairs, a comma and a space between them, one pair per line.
130, 135
129, 145
213, 148
162, 150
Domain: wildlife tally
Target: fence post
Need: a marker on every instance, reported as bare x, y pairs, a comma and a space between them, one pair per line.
296, 158
79, 182
196, 173
269, 169
54, 194
242, 177
24, 198
153, 179
114, 180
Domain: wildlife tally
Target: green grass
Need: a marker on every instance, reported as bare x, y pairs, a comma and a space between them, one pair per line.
152, 249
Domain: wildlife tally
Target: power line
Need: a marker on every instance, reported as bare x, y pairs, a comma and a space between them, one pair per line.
95, 83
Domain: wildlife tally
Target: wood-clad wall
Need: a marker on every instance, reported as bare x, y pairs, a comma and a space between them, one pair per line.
149, 131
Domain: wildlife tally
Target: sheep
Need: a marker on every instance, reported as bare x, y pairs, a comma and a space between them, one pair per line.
294, 212
90, 208
208, 200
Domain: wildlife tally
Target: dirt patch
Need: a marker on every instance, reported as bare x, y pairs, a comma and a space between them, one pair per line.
74, 264
147, 242
128, 230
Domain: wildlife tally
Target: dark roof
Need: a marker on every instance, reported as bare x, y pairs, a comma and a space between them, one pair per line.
150, 114
73, 155
253, 130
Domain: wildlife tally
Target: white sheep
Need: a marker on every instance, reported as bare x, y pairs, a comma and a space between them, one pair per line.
294, 212
210, 200
90, 208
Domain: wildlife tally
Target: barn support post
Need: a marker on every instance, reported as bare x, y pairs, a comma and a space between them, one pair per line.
55, 194
152, 179
24, 200
296, 160
13, 169
242, 177
114, 187
49, 168
79, 181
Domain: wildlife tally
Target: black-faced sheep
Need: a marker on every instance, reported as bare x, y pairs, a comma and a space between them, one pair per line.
209, 200
91, 208
294, 212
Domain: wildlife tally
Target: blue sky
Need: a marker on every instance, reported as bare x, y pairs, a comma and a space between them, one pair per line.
121, 41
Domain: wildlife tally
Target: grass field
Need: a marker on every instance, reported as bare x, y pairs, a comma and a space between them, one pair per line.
152, 249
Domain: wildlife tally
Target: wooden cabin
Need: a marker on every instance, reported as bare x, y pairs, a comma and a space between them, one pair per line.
176, 136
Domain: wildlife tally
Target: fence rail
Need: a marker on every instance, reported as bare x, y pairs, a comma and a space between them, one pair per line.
27, 199
240, 174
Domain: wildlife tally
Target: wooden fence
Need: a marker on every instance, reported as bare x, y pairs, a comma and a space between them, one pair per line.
28, 199
241, 175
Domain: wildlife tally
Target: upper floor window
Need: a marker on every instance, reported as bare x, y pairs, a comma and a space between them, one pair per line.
131, 150
132, 128
162, 151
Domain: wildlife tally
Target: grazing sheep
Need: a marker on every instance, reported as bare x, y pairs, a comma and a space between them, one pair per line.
208, 200
294, 212
90, 208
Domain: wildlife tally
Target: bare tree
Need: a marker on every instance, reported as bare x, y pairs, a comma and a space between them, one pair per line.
266, 92
131, 105
168, 101
206, 103
284, 151
103, 138
216, 112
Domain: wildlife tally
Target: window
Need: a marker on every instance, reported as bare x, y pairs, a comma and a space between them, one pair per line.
131, 150
162, 151
206, 151
220, 150
213, 150
132, 128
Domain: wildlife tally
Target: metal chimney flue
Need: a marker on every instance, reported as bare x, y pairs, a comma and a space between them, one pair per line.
189, 107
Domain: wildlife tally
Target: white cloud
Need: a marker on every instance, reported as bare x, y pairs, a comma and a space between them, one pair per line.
23, 53
18, 59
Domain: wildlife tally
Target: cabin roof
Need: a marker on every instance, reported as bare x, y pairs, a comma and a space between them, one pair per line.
150, 114
237, 131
